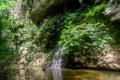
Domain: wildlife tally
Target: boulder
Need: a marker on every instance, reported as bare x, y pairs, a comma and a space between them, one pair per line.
113, 11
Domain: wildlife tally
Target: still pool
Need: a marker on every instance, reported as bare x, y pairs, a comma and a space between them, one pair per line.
69, 74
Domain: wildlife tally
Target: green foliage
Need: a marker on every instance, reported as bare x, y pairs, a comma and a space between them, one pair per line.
45, 36
90, 32
25, 35
84, 36
76, 30
81, 29
5, 8
7, 53
95, 13
49, 31
36, 38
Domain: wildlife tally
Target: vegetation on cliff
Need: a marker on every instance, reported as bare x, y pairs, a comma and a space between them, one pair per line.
84, 31
7, 48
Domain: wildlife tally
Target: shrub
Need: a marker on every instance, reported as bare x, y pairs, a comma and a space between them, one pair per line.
84, 36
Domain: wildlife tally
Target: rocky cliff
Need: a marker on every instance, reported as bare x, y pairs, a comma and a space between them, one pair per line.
39, 9
50, 28
113, 10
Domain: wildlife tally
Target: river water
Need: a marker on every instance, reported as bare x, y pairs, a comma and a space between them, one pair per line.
69, 74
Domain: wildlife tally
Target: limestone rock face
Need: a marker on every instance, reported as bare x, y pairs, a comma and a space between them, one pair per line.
20, 9
39, 9
113, 10
108, 59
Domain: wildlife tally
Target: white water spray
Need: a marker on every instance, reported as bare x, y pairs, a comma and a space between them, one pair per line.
57, 60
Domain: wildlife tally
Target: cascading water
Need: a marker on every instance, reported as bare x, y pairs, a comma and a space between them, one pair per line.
57, 60
57, 63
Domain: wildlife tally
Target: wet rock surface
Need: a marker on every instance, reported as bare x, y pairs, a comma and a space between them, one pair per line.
113, 11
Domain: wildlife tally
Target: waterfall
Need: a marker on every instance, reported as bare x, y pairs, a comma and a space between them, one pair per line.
57, 60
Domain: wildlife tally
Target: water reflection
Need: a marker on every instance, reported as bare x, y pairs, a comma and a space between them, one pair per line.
57, 74
68, 74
